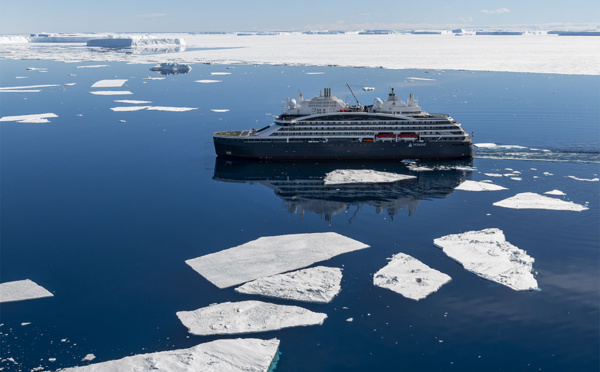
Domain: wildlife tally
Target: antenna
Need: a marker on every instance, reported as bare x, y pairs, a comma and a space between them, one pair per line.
358, 103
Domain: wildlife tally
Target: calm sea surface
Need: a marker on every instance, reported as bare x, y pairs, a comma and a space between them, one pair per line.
104, 213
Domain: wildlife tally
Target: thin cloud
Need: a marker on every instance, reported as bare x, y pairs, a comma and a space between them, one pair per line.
153, 15
497, 11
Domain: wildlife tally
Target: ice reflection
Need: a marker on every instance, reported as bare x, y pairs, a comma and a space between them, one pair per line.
302, 188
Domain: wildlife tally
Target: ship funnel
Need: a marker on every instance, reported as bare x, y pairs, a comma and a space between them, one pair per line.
327, 92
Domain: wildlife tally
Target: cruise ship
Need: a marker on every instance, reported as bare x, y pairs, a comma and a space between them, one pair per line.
326, 127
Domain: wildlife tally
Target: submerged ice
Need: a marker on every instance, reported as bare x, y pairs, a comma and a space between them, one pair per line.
271, 255
410, 277
317, 284
247, 317
488, 254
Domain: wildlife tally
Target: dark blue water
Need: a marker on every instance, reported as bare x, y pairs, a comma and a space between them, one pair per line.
104, 214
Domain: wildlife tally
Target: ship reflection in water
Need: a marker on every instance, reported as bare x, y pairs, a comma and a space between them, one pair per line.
301, 185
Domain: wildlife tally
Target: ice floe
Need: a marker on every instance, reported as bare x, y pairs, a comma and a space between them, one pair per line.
132, 101
409, 277
419, 168
129, 108
271, 255
469, 185
34, 118
228, 355
152, 108
111, 92
92, 66
112, 83
555, 192
488, 254
22, 290
207, 81
368, 89
493, 174
220, 73
219, 110
344, 176
247, 317
317, 284
27, 88
531, 200
584, 179
154, 78
88, 358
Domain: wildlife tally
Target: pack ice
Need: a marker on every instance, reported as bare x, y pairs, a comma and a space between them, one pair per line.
22, 290
410, 277
488, 254
233, 355
271, 255
317, 284
342, 176
246, 317
531, 200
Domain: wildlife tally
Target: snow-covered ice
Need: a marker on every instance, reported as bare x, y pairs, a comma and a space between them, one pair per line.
207, 81
271, 255
488, 254
33, 118
584, 179
469, 185
22, 290
317, 284
227, 355
112, 83
132, 101
343, 176
410, 277
555, 192
247, 317
530, 200
111, 92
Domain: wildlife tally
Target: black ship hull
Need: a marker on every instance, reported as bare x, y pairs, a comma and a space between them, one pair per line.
239, 148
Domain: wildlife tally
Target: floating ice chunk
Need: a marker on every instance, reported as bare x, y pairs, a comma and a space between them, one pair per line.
584, 179
220, 73
229, 355
555, 192
493, 174
511, 147
516, 178
34, 118
419, 168
28, 87
21, 77
271, 255
20, 90
350, 319
530, 200
70, 84
485, 145
314, 73
88, 358
111, 92
22, 290
422, 79
172, 109
317, 284
343, 176
154, 78
219, 110
129, 108
469, 185
409, 277
132, 101
368, 89
207, 81
36, 68
92, 66
112, 83
488, 254
548, 174
247, 317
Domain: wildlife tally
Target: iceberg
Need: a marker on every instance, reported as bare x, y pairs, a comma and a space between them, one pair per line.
247, 317
318, 284
344, 176
530, 200
117, 41
487, 254
479, 186
410, 277
113, 83
229, 355
34, 118
22, 290
271, 255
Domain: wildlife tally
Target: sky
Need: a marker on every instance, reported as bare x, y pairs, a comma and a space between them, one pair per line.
33, 16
